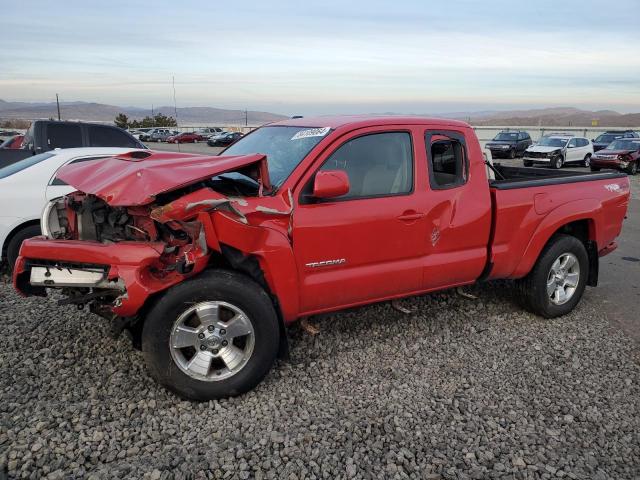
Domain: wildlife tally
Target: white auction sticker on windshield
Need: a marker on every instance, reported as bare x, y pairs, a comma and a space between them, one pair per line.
311, 132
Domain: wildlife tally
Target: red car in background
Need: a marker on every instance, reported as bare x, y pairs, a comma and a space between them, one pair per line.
14, 142
621, 154
190, 137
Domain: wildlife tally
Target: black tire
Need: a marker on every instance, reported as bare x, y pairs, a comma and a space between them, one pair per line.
211, 285
512, 153
532, 289
594, 169
632, 169
13, 247
528, 163
557, 162
587, 160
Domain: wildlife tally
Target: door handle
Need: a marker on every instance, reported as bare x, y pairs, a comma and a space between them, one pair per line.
410, 216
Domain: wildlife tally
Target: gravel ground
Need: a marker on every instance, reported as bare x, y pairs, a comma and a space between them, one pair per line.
460, 388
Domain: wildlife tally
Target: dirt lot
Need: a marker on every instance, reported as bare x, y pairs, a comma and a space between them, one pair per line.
459, 388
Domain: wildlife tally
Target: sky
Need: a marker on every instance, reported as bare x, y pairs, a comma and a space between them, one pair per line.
350, 56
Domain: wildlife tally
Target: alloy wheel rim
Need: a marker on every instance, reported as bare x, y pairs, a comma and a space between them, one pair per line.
563, 279
212, 341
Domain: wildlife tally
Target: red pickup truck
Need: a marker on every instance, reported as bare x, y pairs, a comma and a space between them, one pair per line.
205, 260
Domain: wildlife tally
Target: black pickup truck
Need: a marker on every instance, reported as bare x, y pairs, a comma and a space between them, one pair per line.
44, 135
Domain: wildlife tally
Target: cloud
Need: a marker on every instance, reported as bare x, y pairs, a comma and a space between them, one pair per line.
308, 55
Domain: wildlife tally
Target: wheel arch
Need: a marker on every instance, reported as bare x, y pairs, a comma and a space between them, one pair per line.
13, 233
578, 219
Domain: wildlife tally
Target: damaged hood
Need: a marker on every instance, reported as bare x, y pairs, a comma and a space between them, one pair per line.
136, 179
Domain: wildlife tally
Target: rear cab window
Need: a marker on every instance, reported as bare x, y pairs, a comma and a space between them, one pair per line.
110, 137
447, 159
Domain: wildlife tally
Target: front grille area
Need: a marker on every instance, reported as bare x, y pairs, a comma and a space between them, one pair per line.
535, 154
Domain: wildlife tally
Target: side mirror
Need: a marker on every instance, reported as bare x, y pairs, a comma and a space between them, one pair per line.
330, 184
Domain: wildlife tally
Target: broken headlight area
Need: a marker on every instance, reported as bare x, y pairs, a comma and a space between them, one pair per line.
78, 216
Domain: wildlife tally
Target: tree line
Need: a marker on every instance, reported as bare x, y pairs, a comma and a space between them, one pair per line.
158, 120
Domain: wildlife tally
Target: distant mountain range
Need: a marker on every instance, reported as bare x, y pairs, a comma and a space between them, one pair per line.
98, 112
552, 117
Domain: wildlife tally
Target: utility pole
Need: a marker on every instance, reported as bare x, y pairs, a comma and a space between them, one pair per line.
58, 104
246, 118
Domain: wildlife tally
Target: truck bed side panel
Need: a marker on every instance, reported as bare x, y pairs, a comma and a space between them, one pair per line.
527, 217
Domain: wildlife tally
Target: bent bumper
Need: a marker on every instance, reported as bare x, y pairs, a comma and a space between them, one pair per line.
136, 265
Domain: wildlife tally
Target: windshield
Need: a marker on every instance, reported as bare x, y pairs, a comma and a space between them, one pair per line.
505, 136
620, 144
285, 147
552, 142
24, 163
607, 138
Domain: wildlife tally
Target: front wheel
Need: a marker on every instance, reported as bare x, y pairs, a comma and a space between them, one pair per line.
587, 160
557, 162
213, 336
632, 169
512, 153
558, 279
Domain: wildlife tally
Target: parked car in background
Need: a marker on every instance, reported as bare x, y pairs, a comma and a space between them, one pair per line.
138, 132
509, 143
13, 142
45, 135
27, 185
224, 139
146, 136
559, 149
621, 154
207, 259
603, 140
210, 131
161, 134
190, 137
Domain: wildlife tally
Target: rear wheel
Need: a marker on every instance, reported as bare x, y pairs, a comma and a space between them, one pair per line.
213, 336
13, 247
557, 281
587, 160
632, 169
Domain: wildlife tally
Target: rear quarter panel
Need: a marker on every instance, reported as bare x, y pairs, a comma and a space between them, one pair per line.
526, 218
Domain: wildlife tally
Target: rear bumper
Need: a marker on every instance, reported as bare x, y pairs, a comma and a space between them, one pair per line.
136, 265
608, 249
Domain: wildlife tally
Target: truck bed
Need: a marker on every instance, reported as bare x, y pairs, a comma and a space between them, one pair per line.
530, 204
508, 178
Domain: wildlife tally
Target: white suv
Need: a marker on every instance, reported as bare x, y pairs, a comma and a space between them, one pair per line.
558, 149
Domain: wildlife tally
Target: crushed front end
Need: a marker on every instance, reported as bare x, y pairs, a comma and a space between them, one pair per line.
111, 258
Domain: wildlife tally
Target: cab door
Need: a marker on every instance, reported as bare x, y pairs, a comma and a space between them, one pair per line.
367, 244
573, 151
457, 207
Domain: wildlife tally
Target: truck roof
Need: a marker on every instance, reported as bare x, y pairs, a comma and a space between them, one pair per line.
358, 121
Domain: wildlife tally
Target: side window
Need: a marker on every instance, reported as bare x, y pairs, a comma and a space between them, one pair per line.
573, 143
521, 136
61, 135
57, 181
109, 137
447, 156
378, 164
